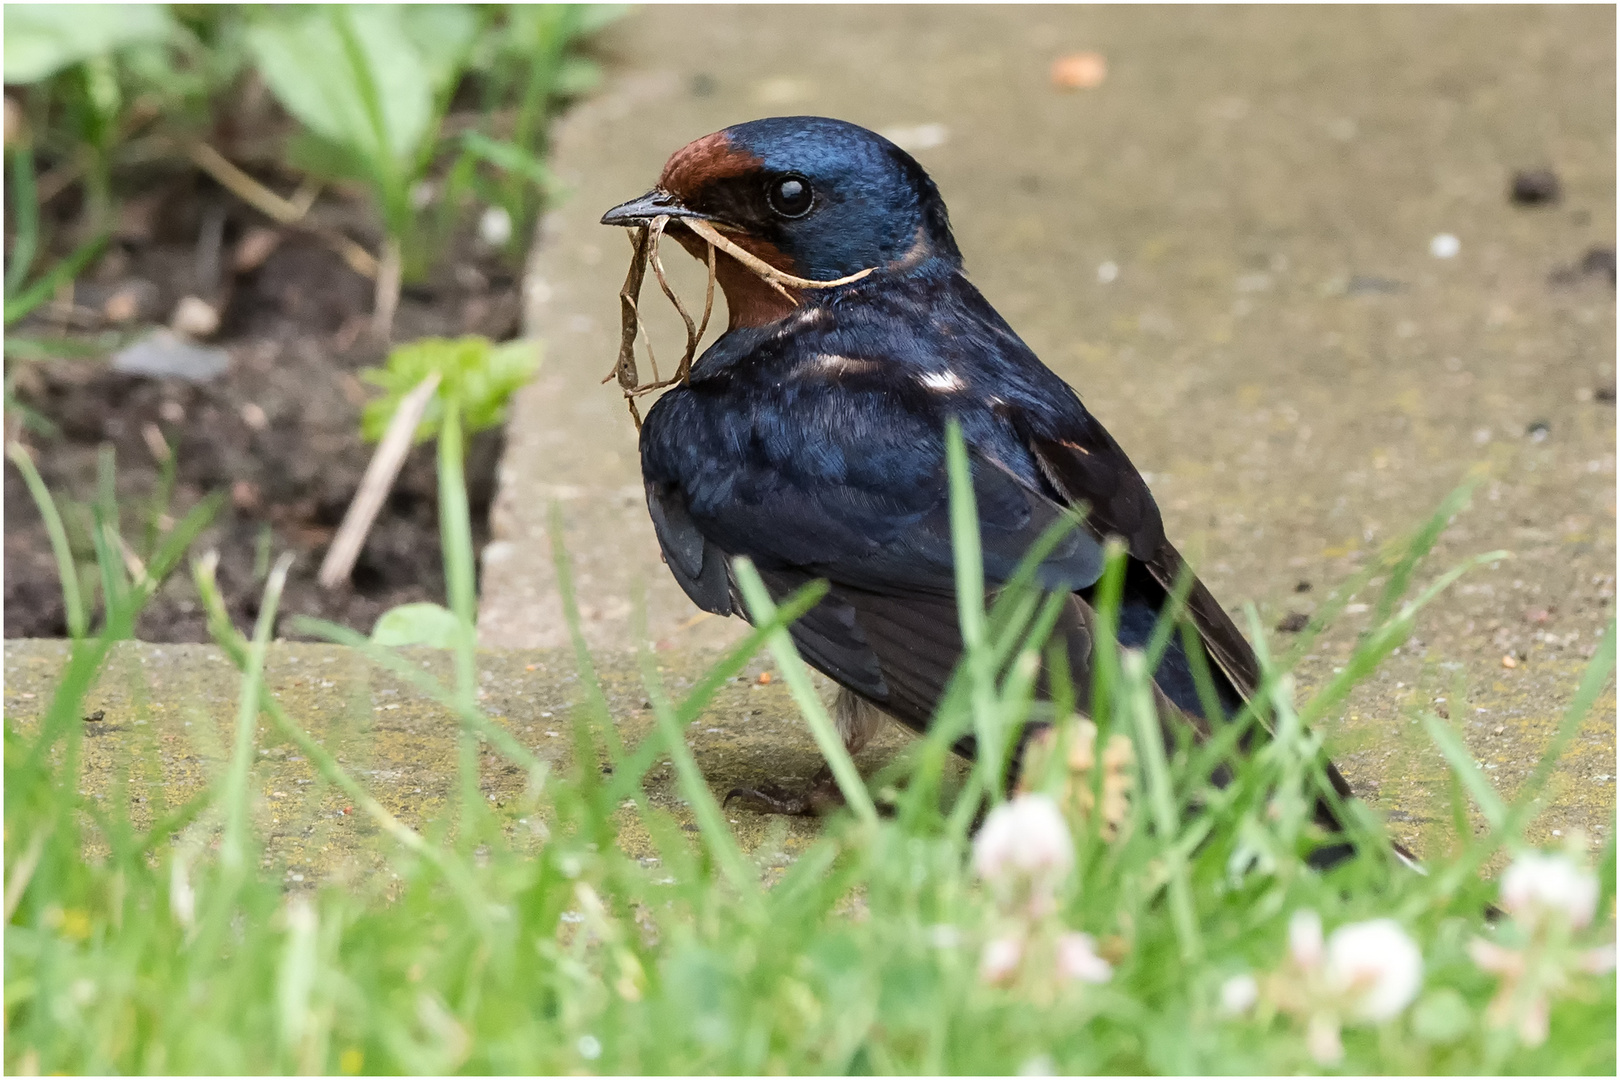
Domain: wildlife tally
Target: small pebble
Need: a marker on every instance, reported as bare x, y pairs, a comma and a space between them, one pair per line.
1079, 71
15, 125
1538, 431
194, 317
1599, 261
121, 306
764, 678
495, 226
1535, 187
245, 495
1108, 273
1445, 246
165, 355
156, 444
1294, 622
254, 416
254, 248
1509, 661
918, 137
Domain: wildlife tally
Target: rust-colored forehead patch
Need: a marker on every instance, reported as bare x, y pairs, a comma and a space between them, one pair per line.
698, 164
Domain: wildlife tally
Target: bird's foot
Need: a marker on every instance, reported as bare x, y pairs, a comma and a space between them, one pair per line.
820, 797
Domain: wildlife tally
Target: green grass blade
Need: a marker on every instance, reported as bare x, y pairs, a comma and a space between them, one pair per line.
25, 216
977, 660
797, 675
233, 849
66, 569
1467, 771
455, 537
1136, 685
17, 307
396, 665
711, 823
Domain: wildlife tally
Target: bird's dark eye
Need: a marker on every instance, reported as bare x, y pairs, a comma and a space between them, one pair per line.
790, 196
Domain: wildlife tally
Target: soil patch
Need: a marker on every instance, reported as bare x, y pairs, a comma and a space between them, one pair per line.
277, 430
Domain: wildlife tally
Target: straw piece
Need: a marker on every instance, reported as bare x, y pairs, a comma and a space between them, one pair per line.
765, 270
375, 484
644, 245
624, 368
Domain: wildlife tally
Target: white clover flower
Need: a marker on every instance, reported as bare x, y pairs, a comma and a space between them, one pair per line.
1322, 1039
1000, 958
1239, 994
1305, 939
182, 897
1539, 884
1375, 966
1598, 961
1024, 849
1077, 959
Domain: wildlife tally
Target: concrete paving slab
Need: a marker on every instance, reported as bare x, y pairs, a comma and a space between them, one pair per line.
169, 714
168, 722
1229, 248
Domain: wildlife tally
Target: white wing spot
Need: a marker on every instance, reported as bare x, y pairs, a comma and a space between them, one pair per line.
830, 364
943, 382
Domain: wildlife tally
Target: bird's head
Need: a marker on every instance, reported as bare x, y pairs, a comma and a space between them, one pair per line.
816, 198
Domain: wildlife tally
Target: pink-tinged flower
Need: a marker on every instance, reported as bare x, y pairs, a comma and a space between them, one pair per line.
1322, 1039
1305, 939
1000, 959
1538, 885
1239, 994
1598, 961
1496, 959
1365, 972
1549, 897
1077, 959
1374, 967
1024, 852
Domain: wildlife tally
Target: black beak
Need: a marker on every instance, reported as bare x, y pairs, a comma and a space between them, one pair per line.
656, 203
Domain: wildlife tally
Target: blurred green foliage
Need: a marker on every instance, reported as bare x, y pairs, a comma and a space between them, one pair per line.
94, 88
516, 936
473, 371
422, 623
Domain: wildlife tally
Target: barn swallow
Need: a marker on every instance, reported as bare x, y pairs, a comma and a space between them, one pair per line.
810, 437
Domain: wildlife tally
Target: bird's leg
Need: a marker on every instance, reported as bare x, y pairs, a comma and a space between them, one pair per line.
857, 720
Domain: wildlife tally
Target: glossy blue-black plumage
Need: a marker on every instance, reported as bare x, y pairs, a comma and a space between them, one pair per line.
874, 197
814, 443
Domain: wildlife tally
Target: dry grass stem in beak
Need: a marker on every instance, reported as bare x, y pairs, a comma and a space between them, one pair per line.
624, 369
767, 273
644, 241
694, 331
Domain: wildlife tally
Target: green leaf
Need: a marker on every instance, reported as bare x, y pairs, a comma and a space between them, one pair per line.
442, 35
578, 76
330, 88
42, 39
417, 624
480, 375
508, 156
1442, 1016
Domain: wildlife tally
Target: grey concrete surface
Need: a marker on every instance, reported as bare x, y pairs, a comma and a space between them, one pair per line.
1300, 378
168, 725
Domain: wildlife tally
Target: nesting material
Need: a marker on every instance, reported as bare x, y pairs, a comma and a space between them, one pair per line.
644, 245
